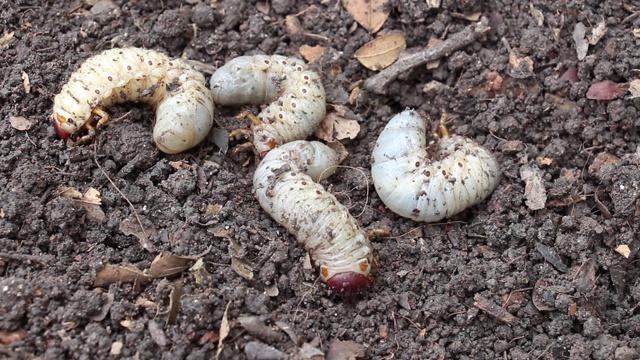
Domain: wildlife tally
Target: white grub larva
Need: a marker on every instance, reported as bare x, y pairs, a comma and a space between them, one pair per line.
286, 188
295, 95
184, 106
429, 184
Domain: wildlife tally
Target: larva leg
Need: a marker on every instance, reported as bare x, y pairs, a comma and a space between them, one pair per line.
249, 115
442, 126
102, 114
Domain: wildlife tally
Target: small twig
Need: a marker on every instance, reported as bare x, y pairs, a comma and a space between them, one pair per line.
378, 83
145, 244
24, 257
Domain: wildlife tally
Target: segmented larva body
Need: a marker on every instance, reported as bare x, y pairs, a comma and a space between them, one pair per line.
184, 106
286, 188
429, 184
295, 95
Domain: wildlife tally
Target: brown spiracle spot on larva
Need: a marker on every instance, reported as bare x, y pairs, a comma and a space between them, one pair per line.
184, 106
423, 185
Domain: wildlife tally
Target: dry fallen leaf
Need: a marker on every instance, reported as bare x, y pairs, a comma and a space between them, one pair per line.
90, 202
20, 123
536, 14
520, 68
6, 40
381, 52
606, 90
345, 350
494, 81
371, 14
598, 32
239, 264
131, 226
572, 310
353, 95
336, 126
582, 45
623, 250
167, 264
224, 330
540, 301
10, 336
534, 190
293, 26
544, 160
433, 41
26, 84
311, 53
634, 88
123, 273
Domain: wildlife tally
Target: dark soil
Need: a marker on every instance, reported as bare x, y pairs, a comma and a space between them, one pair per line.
554, 269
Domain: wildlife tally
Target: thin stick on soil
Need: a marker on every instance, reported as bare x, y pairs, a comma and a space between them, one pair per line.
146, 244
378, 83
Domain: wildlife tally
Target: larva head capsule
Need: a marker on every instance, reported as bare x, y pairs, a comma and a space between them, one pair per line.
61, 125
350, 283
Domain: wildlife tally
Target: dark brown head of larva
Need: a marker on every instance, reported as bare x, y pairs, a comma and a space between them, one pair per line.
350, 283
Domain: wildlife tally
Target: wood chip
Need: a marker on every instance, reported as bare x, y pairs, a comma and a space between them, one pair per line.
623, 250
582, 45
494, 310
224, 330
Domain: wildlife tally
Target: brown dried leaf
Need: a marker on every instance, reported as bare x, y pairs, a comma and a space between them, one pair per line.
539, 296
534, 190
180, 164
336, 126
520, 68
224, 330
167, 264
582, 45
308, 351
560, 102
311, 53
90, 202
494, 81
26, 84
371, 14
294, 28
131, 226
345, 350
598, 32
20, 123
572, 310
433, 41
123, 273
381, 52
6, 40
623, 250
263, 7
606, 90
10, 336
239, 264
634, 88
536, 14
544, 160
